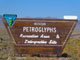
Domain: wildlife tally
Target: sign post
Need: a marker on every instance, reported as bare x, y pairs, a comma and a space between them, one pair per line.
40, 36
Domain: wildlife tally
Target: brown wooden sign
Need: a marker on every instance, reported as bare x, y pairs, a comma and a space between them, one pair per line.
40, 36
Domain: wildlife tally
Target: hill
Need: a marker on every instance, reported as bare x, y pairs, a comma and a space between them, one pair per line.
1, 23
77, 28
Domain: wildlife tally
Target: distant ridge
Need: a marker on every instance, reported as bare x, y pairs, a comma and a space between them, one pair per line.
1, 23
77, 28
41, 17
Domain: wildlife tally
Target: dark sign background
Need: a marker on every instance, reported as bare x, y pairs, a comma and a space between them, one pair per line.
63, 29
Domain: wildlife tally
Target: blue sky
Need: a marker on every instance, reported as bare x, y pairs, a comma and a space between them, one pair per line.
40, 8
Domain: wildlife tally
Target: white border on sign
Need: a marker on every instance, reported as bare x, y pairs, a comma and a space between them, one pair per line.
43, 21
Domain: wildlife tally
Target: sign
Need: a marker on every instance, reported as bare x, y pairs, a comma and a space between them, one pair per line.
40, 36
10, 18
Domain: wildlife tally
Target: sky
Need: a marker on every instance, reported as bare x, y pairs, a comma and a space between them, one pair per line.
40, 8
